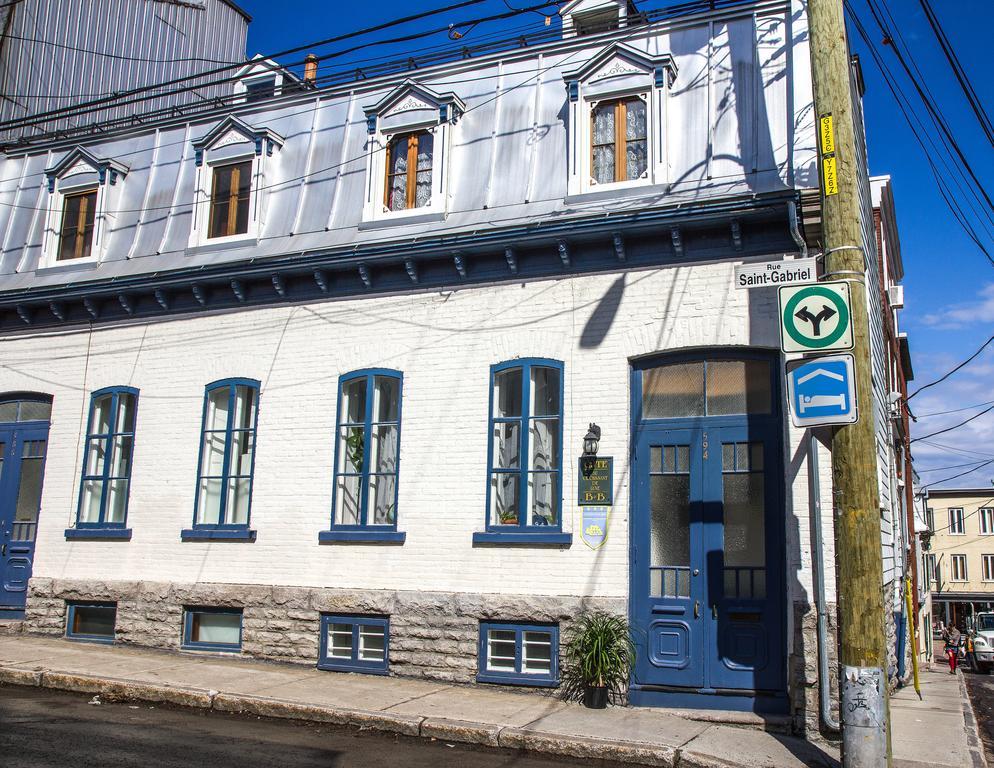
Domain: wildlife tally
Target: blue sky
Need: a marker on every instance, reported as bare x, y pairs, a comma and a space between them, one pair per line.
949, 284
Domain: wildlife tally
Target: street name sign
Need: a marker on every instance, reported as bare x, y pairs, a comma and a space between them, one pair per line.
815, 318
822, 391
767, 273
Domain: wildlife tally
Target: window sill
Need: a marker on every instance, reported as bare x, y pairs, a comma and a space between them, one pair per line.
373, 536
358, 668
532, 682
401, 218
85, 639
51, 266
98, 534
211, 648
217, 534
221, 243
555, 538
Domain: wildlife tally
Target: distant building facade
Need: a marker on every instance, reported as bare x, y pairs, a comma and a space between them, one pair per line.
960, 557
308, 376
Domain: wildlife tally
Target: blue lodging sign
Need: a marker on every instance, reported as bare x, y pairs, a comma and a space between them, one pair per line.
822, 391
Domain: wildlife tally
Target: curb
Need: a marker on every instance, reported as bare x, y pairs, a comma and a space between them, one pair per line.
442, 729
972, 731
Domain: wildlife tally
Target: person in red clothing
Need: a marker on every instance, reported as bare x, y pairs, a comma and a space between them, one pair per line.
953, 639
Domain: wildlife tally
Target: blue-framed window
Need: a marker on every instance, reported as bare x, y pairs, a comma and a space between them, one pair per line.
212, 629
93, 622
227, 461
105, 483
367, 457
524, 489
519, 654
355, 643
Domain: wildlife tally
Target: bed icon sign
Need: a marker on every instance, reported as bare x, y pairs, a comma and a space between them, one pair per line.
822, 391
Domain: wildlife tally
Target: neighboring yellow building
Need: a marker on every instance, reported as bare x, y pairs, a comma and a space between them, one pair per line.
959, 563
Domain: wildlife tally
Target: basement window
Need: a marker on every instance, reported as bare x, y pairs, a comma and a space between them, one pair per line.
519, 654
93, 622
212, 629
355, 644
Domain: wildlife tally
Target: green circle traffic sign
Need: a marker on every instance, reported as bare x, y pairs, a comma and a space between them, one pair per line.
809, 341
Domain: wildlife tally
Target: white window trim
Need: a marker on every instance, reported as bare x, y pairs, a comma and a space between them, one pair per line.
962, 521
61, 183
205, 182
413, 100
983, 517
984, 559
952, 569
260, 146
617, 72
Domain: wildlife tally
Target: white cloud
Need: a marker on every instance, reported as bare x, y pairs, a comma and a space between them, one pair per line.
966, 314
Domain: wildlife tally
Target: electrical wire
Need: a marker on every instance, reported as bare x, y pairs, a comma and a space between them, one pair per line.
951, 466
956, 426
954, 410
945, 376
918, 133
961, 474
119, 56
961, 451
125, 97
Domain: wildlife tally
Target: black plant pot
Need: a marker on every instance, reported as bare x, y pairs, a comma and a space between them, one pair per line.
595, 697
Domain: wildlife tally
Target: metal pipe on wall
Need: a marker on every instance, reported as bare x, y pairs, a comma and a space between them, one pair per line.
818, 567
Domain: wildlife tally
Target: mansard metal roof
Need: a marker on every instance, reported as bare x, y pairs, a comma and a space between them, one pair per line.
738, 136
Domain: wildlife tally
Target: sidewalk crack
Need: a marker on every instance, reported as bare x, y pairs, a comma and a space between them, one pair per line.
414, 698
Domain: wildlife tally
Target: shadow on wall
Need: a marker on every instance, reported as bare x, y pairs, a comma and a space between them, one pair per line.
599, 323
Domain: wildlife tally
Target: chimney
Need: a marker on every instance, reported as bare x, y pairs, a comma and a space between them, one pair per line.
310, 68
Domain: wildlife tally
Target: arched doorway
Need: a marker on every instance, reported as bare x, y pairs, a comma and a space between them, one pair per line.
707, 586
24, 420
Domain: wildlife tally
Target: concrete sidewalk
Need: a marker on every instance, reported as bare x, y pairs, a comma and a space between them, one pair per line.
933, 732
938, 730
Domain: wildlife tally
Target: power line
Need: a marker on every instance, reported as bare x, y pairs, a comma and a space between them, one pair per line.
961, 474
957, 426
119, 56
52, 114
958, 72
961, 451
953, 466
942, 378
125, 98
954, 410
899, 99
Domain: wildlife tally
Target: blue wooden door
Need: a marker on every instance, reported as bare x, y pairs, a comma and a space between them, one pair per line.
22, 469
668, 584
707, 598
744, 552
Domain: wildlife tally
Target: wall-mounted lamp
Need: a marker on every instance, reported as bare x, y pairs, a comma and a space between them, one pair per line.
590, 444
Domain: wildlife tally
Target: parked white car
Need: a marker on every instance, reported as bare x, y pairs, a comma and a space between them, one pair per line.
983, 642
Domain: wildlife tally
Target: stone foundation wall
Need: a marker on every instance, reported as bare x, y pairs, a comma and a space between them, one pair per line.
432, 634
804, 669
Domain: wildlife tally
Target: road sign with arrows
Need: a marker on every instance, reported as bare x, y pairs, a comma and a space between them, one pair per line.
815, 318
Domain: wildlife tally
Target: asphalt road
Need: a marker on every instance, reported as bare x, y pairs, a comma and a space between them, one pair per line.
981, 689
41, 728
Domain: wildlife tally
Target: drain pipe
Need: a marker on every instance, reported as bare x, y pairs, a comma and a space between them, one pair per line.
814, 500
795, 229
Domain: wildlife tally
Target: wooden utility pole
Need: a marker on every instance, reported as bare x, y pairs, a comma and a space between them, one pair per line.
862, 644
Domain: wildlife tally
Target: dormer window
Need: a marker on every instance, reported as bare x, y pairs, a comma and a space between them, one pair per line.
619, 140
83, 192
410, 131
79, 212
617, 120
409, 171
230, 193
262, 88
232, 160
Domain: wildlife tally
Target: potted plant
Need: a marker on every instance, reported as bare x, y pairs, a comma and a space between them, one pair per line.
597, 657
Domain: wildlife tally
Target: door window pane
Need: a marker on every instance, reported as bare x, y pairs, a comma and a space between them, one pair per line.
744, 504
669, 535
673, 391
738, 386
29, 485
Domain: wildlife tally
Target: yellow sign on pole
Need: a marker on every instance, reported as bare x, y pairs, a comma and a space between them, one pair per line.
827, 135
830, 176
